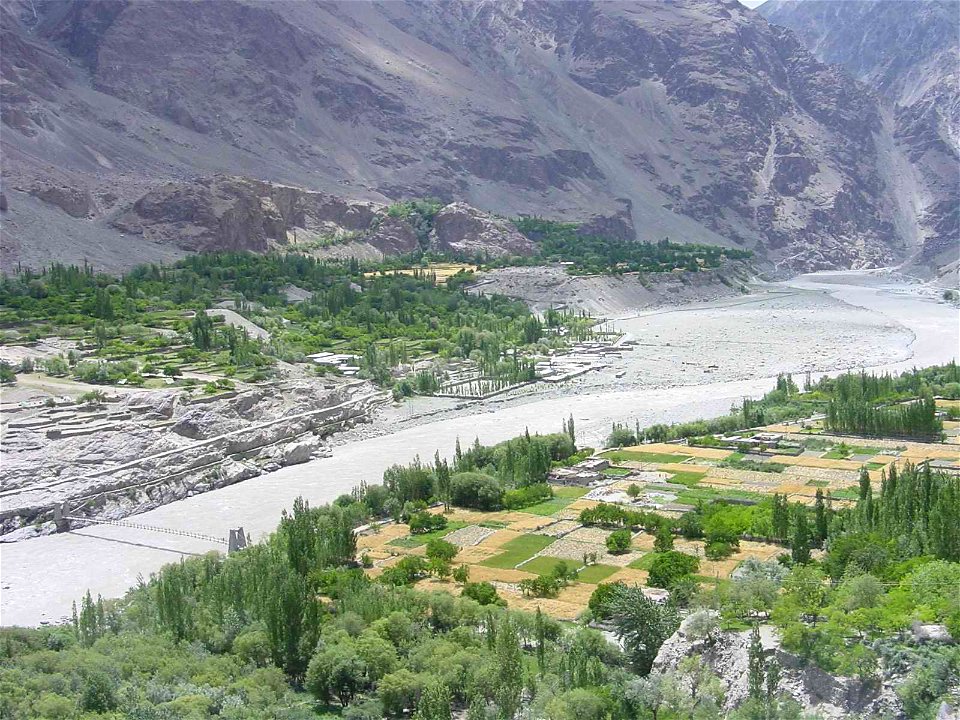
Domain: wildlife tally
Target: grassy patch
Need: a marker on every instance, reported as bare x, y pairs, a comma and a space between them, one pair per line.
618, 456
518, 550
562, 496
493, 524
690, 479
548, 507
850, 493
616, 471
876, 465
737, 463
412, 541
596, 573
644, 562
842, 453
572, 492
544, 564
818, 483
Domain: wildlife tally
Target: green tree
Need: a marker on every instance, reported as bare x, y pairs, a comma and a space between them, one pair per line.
509, 661
755, 665
434, 703
669, 567
822, 518
97, 693
663, 541
619, 541
800, 544
642, 625
201, 330
336, 671
438, 549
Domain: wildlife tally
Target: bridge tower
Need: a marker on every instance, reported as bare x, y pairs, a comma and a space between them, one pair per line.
59, 519
237, 541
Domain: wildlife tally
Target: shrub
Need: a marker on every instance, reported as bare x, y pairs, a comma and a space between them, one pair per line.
462, 574
7, 375
669, 567
441, 550
406, 572
525, 496
483, 592
718, 550
618, 541
424, 522
476, 490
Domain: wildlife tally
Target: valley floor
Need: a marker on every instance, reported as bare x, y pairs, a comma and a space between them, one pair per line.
817, 323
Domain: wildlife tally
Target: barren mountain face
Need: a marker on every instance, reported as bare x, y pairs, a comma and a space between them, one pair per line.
907, 52
693, 120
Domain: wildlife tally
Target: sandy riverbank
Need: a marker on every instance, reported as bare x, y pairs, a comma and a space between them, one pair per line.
794, 327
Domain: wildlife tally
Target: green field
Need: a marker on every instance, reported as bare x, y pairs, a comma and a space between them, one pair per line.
645, 562
413, 541
518, 550
544, 564
842, 454
850, 493
596, 573
618, 456
616, 471
690, 479
562, 496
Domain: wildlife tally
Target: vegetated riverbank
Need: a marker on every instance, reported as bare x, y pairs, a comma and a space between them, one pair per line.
863, 325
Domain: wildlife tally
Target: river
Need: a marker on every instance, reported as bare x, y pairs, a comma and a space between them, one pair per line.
864, 319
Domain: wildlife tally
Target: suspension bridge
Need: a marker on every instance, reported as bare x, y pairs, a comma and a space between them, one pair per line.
236, 541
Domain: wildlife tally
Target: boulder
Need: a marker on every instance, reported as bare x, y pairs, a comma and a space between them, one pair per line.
73, 201
931, 633
394, 236
300, 452
233, 471
460, 228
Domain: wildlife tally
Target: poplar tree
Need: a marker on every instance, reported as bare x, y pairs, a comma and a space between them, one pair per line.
755, 662
509, 669
800, 546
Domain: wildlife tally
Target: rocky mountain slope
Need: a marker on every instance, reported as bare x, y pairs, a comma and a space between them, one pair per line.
907, 52
696, 120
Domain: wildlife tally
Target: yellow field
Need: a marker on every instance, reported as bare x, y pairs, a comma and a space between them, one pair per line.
574, 541
443, 271
482, 547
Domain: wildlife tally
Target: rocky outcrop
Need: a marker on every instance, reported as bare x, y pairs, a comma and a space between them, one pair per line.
459, 228
74, 202
618, 225
830, 696
234, 213
393, 236
695, 120
154, 448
